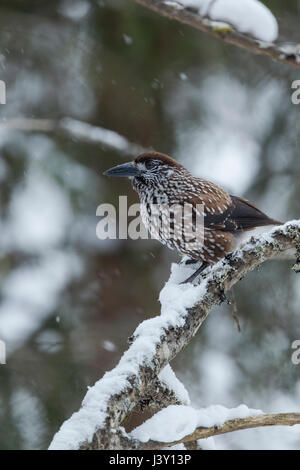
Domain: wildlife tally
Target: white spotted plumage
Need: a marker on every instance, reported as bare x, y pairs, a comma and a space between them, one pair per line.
167, 190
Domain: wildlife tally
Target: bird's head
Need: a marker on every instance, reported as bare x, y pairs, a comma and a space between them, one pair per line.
149, 168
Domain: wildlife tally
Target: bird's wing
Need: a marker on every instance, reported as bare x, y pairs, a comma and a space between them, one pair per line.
239, 215
223, 211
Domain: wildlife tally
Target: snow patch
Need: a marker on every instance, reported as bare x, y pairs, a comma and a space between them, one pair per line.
247, 16
177, 421
168, 377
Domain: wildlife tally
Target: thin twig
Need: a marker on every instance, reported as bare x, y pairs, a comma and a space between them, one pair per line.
234, 309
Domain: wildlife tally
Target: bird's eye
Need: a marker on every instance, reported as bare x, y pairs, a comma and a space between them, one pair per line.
150, 164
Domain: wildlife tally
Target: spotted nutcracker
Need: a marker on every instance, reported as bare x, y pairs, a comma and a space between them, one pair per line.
162, 182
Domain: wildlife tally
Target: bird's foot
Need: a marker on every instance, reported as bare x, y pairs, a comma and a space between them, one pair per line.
196, 273
186, 261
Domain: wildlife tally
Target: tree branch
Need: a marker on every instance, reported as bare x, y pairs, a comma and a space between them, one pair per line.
76, 129
287, 54
158, 340
158, 396
250, 422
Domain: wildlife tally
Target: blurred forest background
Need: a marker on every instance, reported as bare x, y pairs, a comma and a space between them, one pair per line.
68, 301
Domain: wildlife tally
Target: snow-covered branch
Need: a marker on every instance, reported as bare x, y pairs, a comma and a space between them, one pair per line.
75, 129
178, 424
144, 432
158, 340
247, 24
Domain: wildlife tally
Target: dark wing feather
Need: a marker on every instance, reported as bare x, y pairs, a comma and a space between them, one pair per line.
247, 216
240, 215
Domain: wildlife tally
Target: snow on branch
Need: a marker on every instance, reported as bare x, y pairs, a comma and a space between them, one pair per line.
95, 134
212, 427
248, 24
75, 129
156, 341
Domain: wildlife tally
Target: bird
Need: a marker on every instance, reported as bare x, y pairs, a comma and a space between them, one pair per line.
165, 187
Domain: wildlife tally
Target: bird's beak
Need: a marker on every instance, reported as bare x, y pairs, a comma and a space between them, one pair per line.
126, 169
